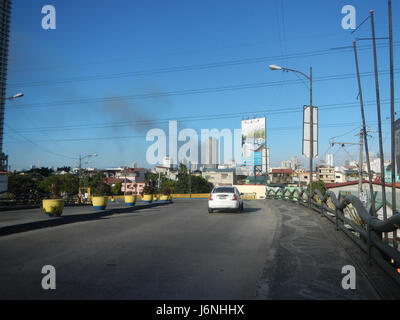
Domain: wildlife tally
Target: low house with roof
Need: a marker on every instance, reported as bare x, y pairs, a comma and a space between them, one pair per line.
281, 176
220, 177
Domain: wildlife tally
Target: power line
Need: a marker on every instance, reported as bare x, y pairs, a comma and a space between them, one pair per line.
185, 68
323, 126
274, 110
152, 56
35, 144
189, 91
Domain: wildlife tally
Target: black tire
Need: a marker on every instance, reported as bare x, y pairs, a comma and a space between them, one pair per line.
241, 208
210, 210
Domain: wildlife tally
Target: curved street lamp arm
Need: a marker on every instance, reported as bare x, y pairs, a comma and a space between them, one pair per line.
287, 69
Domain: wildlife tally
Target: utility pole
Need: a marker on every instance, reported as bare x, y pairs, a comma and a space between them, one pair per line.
378, 105
311, 137
158, 181
364, 130
393, 145
190, 179
125, 183
360, 192
360, 144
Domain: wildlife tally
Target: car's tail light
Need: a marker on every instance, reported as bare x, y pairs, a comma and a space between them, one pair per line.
210, 198
234, 197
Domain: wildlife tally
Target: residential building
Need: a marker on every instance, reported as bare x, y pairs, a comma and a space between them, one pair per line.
340, 177
219, 177
282, 176
134, 179
326, 173
169, 172
302, 177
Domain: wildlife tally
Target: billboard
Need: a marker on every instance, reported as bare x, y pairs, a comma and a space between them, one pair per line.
306, 131
253, 141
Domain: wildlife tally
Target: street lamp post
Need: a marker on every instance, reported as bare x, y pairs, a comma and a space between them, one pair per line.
3, 157
275, 67
84, 157
80, 164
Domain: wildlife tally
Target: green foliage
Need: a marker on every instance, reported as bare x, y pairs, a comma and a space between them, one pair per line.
70, 184
318, 185
44, 172
165, 190
52, 185
149, 189
182, 168
151, 176
96, 184
116, 189
198, 184
22, 184
57, 184
101, 189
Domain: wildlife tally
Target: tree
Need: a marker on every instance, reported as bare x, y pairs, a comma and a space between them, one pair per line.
58, 184
22, 184
116, 189
101, 189
52, 185
318, 185
70, 184
45, 172
96, 184
200, 185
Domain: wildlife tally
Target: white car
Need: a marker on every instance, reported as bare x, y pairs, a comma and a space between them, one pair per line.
225, 198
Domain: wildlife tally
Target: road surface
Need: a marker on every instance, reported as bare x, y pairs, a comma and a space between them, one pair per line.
272, 250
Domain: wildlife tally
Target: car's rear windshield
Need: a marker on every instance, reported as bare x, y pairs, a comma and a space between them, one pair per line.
224, 190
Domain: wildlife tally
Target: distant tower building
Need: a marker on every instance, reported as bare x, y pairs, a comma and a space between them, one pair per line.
211, 149
329, 160
167, 162
5, 13
133, 164
286, 164
295, 163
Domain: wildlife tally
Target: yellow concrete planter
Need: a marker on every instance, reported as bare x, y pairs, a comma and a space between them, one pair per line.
148, 198
53, 207
130, 200
99, 202
164, 198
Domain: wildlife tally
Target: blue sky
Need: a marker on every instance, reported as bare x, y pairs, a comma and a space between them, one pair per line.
98, 46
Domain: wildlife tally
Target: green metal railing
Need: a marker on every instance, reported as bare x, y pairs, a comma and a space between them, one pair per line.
350, 216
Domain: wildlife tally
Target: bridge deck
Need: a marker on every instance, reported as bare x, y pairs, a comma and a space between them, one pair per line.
273, 250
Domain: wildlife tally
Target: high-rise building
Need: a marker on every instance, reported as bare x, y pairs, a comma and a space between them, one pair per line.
211, 153
329, 160
5, 13
167, 162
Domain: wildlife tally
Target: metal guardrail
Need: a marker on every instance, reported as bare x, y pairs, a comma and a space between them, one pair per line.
350, 216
